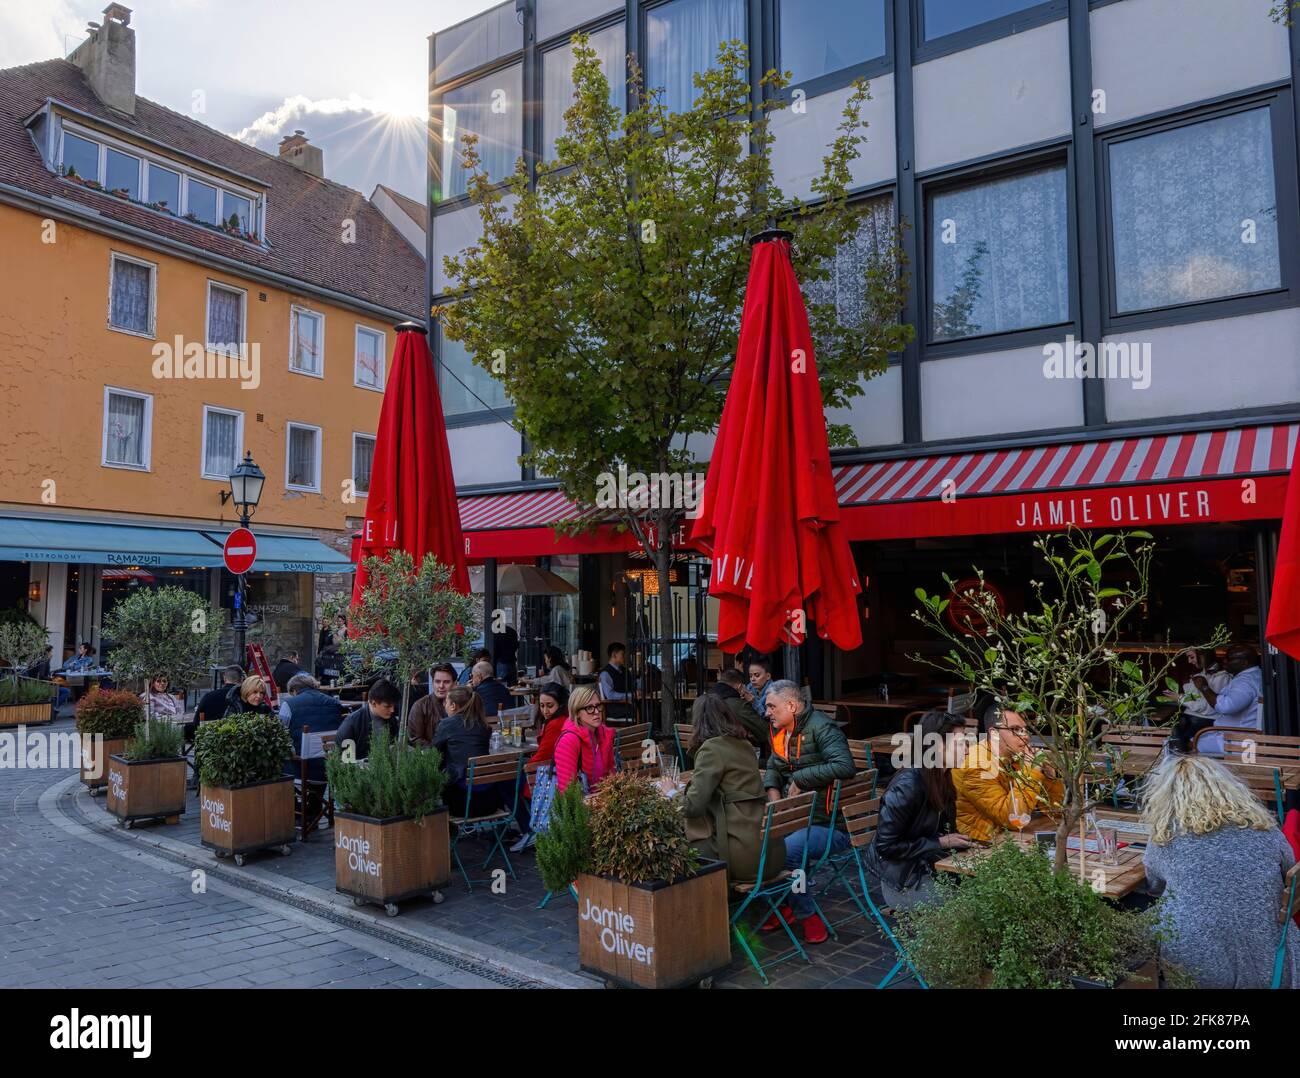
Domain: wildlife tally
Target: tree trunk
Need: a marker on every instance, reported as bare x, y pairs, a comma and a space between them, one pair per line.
406, 696
1064, 830
667, 629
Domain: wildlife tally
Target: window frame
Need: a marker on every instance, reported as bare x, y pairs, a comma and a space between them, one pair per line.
209, 409
480, 414
151, 333
295, 310
1278, 100
224, 348
436, 131
845, 76
356, 489
1040, 14
358, 329
1058, 153
146, 435
289, 427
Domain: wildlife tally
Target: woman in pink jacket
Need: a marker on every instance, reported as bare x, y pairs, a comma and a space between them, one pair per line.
585, 749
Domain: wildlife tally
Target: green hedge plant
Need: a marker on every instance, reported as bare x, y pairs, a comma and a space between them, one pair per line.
564, 848
637, 834
394, 781
155, 739
239, 750
111, 713
25, 690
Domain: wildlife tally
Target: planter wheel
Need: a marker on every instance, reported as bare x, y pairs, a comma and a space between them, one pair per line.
95, 791
222, 855
285, 850
239, 859
358, 902
705, 982
391, 909
438, 898
126, 824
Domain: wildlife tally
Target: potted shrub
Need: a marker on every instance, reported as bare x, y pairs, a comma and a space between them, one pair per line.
564, 848
146, 780
245, 798
391, 841
650, 915
23, 700
1016, 922
106, 719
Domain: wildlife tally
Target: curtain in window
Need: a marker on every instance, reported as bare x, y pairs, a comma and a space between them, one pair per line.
224, 321
302, 457
491, 108
1000, 256
363, 455
126, 429
131, 296
682, 38
557, 80
222, 447
1194, 213
306, 342
846, 286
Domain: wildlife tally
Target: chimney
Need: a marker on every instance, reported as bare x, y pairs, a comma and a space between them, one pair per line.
108, 59
301, 154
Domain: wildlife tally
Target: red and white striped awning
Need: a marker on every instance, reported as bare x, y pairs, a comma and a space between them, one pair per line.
1196, 476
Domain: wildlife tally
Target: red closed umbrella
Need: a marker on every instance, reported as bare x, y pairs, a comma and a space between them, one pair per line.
412, 500
1283, 630
769, 514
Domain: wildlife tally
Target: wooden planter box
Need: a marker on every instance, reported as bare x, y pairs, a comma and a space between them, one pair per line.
237, 820
146, 789
94, 765
655, 935
26, 714
386, 861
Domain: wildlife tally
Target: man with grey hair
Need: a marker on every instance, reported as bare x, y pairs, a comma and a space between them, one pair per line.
809, 754
491, 690
305, 705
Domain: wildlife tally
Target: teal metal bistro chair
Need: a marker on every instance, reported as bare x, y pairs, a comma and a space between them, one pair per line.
486, 772
781, 818
862, 787
1279, 959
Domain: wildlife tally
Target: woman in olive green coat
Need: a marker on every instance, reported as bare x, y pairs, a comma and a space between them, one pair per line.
725, 798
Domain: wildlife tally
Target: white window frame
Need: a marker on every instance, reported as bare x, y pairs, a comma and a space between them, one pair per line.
289, 428
151, 332
209, 409
356, 489
146, 438
296, 309
223, 347
383, 357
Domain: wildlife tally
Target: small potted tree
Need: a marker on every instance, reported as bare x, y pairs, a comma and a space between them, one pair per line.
564, 848
391, 841
23, 700
106, 719
245, 798
146, 780
650, 914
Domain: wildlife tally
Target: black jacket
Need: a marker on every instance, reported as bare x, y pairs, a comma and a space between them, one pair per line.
494, 694
457, 743
906, 845
237, 705
283, 671
358, 728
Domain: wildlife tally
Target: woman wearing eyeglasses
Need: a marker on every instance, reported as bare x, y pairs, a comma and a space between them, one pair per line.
584, 751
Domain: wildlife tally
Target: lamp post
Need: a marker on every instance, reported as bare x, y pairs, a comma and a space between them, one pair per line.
246, 483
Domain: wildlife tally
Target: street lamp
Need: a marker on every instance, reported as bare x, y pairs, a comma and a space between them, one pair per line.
246, 483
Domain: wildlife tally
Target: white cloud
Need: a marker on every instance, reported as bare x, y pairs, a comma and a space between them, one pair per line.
45, 30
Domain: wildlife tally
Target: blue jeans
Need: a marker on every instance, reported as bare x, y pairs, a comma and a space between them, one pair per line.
815, 839
505, 671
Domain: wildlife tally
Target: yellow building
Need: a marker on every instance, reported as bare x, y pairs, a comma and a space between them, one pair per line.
170, 299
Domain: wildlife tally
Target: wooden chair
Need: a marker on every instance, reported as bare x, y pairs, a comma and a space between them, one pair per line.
781, 818
484, 773
682, 733
312, 800
630, 749
1268, 763
1142, 738
523, 713
862, 757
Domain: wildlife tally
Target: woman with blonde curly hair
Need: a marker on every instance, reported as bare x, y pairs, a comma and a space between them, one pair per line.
1220, 858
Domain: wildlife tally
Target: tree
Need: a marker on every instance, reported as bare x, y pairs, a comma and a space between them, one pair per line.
1060, 665
607, 297
22, 643
405, 620
163, 632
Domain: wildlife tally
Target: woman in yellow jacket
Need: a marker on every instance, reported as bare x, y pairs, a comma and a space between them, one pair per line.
994, 790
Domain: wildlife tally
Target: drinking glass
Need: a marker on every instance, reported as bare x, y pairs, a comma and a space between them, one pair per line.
1108, 843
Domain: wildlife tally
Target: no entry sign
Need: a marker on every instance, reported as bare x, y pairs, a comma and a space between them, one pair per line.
239, 551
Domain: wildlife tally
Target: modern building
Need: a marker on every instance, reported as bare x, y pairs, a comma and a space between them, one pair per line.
172, 299
1116, 172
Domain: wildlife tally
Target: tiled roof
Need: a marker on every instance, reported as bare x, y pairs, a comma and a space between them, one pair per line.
305, 214
417, 213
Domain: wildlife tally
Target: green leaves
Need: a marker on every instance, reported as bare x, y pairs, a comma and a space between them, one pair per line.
637, 835
112, 713
240, 749
168, 632
394, 781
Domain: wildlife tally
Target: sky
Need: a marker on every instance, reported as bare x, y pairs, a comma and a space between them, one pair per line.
352, 76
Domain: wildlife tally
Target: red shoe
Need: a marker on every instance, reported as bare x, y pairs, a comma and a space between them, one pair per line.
772, 924
814, 930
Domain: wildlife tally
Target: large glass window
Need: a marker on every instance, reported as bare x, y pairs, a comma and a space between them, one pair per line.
682, 39
236, 212
1194, 213
466, 387
164, 189
999, 255
122, 173
818, 37
557, 80
492, 109
870, 248
949, 16
80, 157
201, 201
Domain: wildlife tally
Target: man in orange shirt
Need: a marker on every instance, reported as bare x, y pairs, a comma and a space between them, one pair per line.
997, 789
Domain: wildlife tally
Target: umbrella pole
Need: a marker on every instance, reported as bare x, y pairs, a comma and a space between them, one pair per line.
790, 658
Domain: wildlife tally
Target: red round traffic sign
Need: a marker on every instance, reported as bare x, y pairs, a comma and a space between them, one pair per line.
239, 551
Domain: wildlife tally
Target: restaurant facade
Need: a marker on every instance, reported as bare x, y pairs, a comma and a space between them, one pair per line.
1103, 211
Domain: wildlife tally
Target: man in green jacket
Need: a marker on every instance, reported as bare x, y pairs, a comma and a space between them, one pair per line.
740, 702
809, 753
